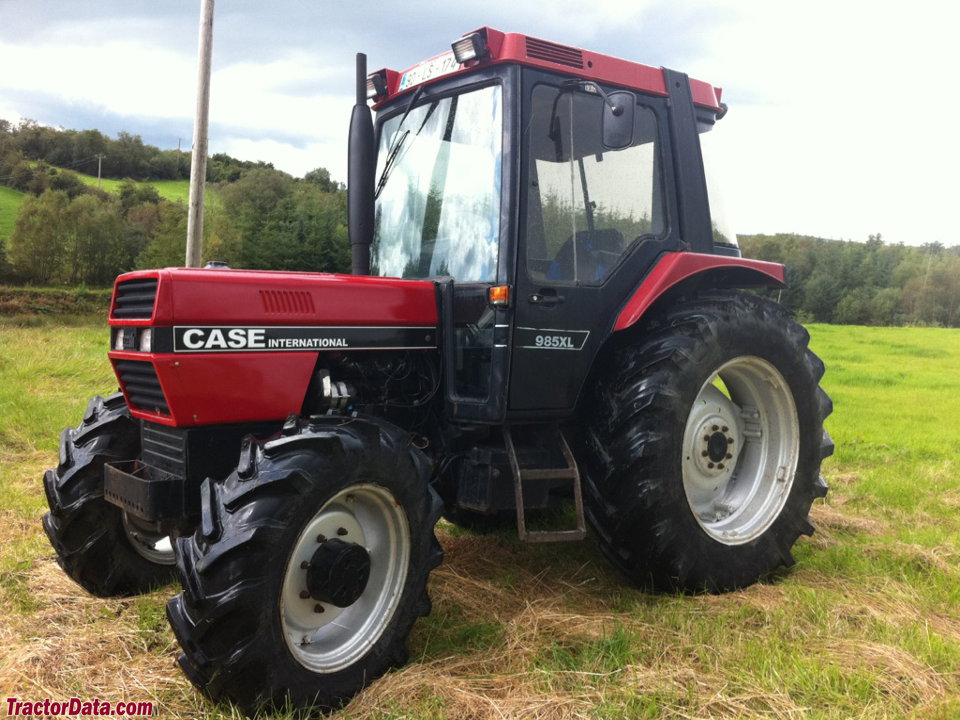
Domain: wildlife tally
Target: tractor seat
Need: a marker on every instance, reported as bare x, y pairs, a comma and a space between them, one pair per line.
597, 252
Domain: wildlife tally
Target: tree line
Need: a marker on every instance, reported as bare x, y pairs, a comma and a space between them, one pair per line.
67, 232
28, 150
864, 283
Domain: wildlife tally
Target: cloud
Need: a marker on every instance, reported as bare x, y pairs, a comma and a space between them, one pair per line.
840, 112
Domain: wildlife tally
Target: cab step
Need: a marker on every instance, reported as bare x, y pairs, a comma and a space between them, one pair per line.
523, 471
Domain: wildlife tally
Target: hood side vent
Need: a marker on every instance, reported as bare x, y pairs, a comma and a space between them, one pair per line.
287, 301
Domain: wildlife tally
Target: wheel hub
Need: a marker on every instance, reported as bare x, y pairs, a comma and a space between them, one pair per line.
717, 445
714, 438
338, 572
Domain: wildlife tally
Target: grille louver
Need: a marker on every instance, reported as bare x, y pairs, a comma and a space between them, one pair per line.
164, 448
135, 299
140, 382
551, 52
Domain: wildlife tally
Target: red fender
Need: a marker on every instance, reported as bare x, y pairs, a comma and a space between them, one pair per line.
676, 267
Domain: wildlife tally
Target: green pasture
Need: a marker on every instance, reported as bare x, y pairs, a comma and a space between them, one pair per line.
10, 200
172, 190
866, 625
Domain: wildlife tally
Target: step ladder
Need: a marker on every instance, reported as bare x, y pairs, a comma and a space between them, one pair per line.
570, 472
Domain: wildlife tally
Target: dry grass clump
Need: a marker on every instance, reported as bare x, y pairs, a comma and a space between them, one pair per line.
77, 645
951, 498
829, 521
899, 676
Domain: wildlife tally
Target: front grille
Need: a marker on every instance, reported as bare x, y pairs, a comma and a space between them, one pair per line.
135, 299
165, 448
551, 52
142, 386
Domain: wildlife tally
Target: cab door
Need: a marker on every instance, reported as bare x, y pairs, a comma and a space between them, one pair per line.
592, 222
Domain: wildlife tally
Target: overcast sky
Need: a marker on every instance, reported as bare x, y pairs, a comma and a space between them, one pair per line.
841, 113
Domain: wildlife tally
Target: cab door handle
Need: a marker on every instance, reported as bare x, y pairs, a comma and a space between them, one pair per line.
546, 297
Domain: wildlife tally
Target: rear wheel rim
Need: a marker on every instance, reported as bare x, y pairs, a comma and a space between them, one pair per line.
320, 636
741, 445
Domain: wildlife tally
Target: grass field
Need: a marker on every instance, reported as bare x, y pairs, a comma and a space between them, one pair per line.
172, 190
866, 625
10, 200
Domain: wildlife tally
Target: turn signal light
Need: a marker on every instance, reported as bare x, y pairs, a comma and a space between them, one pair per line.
499, 295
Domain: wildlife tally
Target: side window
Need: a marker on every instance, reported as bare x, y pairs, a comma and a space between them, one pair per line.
587, 205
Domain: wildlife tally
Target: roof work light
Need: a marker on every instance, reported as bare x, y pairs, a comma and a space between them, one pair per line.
470, 47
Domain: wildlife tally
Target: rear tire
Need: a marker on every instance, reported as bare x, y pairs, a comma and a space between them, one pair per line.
100, 547
256, 617
698, 484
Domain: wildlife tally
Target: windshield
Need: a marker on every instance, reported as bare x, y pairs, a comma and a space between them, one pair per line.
438, 202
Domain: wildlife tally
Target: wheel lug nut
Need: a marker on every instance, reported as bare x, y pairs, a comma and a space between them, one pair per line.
341, 531
716, 427
706, 438
304, 594
305, 640
729, 456
720, 466
321, 538
725, 428
305, 564
710, 465
318, 608
704, 453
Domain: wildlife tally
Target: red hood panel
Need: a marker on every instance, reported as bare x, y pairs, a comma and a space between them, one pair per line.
238, 297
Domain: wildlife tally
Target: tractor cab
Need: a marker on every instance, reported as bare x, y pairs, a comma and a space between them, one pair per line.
538, 185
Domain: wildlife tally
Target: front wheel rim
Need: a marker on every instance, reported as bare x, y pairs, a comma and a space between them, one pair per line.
741, 446
147, 542
325, 638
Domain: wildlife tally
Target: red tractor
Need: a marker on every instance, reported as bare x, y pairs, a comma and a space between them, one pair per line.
541, 312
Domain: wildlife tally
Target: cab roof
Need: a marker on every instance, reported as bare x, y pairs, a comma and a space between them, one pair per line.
515, 48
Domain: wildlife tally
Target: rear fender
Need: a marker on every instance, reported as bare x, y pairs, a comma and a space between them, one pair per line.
690, 270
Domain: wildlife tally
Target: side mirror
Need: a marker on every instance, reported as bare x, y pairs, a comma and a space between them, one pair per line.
618, 111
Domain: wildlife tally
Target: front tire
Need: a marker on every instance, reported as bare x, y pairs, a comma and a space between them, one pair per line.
703, 444
100, 547
309, 567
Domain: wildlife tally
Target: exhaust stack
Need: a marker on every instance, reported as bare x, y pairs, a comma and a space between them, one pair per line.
360, 171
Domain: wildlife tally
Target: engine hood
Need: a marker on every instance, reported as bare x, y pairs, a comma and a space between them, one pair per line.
179, 296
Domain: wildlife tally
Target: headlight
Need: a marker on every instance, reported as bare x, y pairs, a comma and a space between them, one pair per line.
146, 340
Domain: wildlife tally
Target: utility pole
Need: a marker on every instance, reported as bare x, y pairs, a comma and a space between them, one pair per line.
99, 163
198, 165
